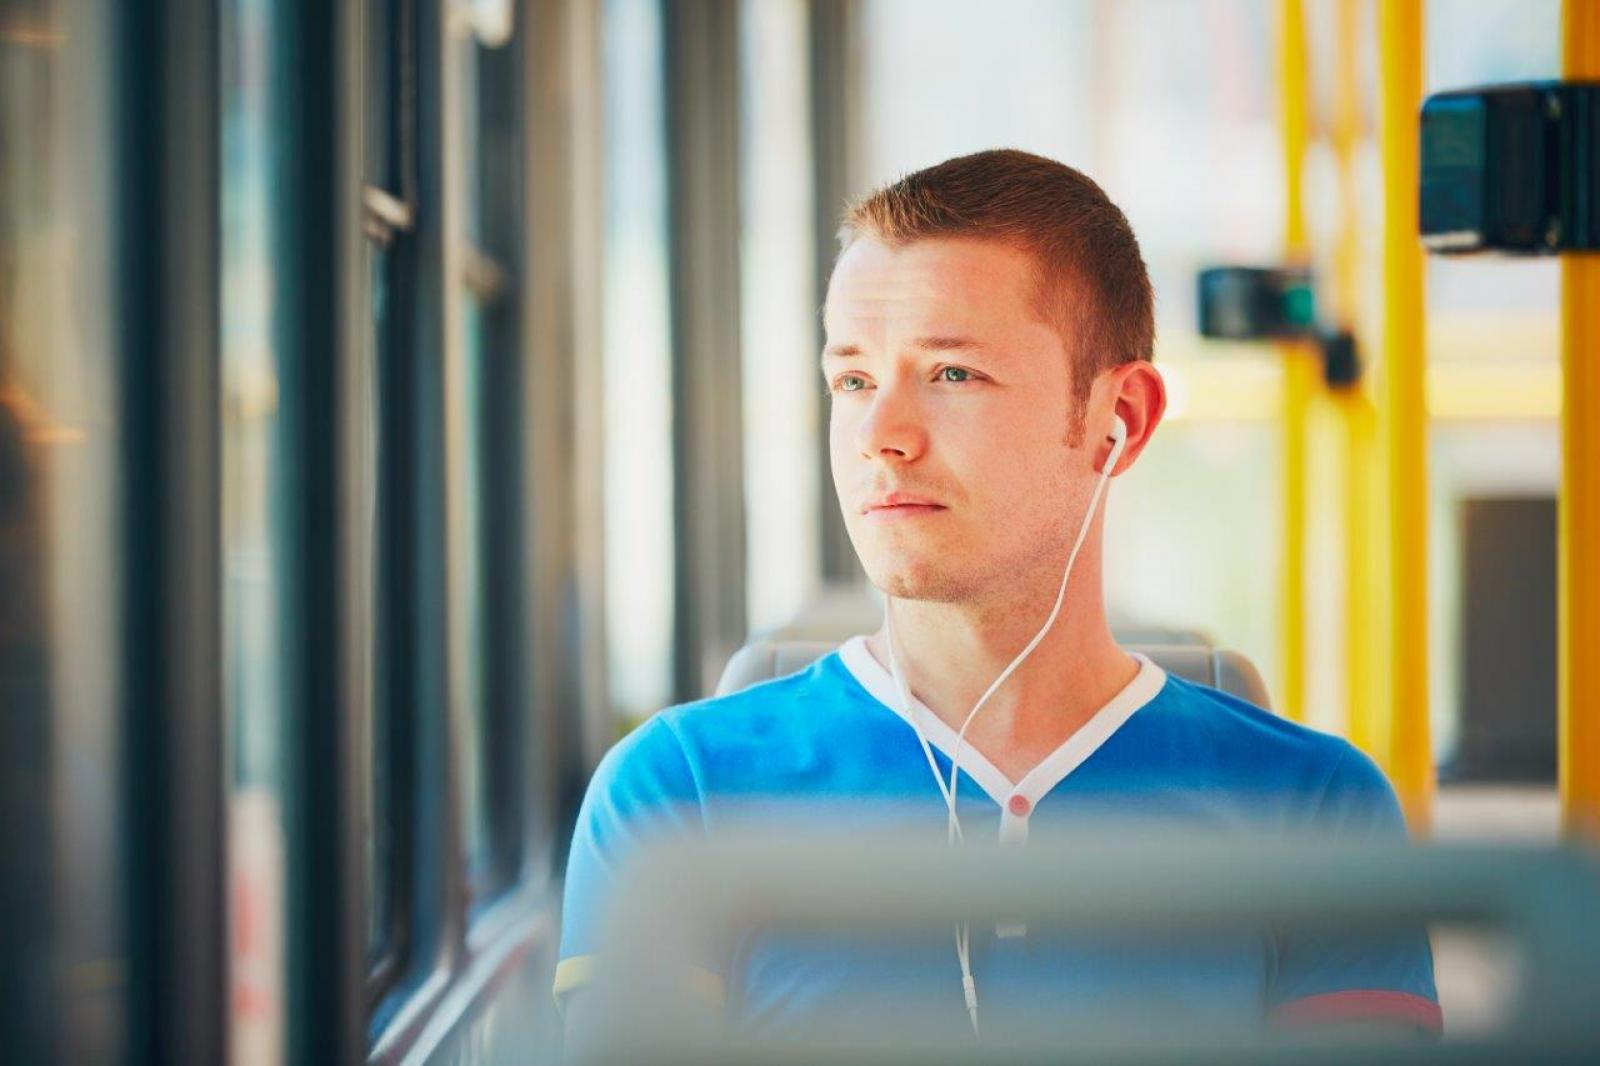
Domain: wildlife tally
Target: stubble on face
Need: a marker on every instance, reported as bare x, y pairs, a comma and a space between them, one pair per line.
1002, 459
999, 563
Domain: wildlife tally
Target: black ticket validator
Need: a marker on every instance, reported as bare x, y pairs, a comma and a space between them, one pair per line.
1256, 303
1512, 169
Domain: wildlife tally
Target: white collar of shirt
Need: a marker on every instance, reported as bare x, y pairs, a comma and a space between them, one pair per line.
1017, 800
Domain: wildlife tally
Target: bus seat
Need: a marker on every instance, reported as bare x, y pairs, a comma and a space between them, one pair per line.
762, 660
834, 611
1136, 635
839, 609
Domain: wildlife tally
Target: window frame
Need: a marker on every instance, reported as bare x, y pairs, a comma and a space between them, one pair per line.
389, 214
495, 229
167, 330
462, 951
701, 64
315, 120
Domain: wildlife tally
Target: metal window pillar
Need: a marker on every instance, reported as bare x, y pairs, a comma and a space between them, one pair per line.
167, 258
702, 93
314, 240
835, 140
386, 168
563, 401
497, 231
426, 806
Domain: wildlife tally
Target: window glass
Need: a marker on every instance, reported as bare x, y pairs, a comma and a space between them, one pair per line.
945, 77
469, 347
782, 386
478, 810
60, 518
384, 522
490, 347
1493, 331
251, 552
638, 371
378, 807
1483, 308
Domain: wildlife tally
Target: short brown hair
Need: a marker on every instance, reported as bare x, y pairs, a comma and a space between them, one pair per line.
1092, 284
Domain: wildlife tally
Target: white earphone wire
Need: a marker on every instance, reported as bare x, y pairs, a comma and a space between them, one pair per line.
910, 709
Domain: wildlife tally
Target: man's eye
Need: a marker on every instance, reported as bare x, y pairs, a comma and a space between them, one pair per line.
961, 374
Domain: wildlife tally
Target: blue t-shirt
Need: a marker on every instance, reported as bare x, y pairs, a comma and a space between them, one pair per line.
1164, 750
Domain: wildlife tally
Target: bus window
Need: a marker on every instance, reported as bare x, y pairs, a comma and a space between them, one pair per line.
488, 343
253, 575
638, 413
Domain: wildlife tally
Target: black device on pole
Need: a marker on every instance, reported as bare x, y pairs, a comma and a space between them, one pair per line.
1256, 303
1341, 359
1512, 169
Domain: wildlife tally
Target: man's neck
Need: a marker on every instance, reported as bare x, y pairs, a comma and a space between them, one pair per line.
949, 654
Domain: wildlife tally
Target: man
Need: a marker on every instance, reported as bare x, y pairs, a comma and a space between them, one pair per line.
989, 335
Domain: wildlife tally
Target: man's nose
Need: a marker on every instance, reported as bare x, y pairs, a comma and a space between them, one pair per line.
893, 427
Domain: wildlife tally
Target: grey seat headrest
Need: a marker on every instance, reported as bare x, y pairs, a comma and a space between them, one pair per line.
1219, 668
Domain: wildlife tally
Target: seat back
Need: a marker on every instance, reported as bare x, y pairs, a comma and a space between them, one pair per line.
1229, 671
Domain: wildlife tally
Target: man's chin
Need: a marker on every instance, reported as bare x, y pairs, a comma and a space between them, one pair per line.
931, 585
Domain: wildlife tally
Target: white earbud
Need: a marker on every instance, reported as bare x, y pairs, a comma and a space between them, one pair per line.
1119, 437
969, 988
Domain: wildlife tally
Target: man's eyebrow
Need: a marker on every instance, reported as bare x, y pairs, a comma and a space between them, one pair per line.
946, 344
927, 344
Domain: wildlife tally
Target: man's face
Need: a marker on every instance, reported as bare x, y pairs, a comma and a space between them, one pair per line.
952, 406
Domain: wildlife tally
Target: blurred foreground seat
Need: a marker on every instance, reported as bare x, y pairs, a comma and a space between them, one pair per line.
683, 901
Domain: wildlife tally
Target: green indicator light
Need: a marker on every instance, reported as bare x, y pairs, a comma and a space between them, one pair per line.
1298, 306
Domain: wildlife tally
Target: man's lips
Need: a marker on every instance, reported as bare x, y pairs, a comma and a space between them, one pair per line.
900, 505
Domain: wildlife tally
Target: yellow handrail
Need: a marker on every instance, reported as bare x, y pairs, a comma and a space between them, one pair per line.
1578, 639
1364, 726
1346, 136
1355, 407
1299, 368
1403, 411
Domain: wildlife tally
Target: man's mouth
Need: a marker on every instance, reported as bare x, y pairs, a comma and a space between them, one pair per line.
900, 505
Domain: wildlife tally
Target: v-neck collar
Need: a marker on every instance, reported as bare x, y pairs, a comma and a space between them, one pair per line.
1016, 798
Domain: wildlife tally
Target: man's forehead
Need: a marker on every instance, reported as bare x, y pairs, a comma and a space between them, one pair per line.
942, 287
965, 274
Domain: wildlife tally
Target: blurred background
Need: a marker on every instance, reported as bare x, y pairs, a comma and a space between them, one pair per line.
401, 399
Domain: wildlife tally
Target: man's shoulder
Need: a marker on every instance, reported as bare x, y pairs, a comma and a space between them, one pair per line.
792, 702
1236, 719
1253, 745
762, 728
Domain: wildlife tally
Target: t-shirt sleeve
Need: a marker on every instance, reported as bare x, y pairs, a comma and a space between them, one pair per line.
644, 789
1335, 977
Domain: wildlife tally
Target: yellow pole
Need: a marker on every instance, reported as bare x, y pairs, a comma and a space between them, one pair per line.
1299, 367
1404, 409
1355, 408
1578, 638
1362, 725
1346, 135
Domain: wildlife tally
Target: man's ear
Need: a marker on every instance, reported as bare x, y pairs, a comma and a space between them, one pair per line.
1139, 398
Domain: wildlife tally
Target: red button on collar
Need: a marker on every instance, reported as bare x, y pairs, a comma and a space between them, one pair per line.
1020, 806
